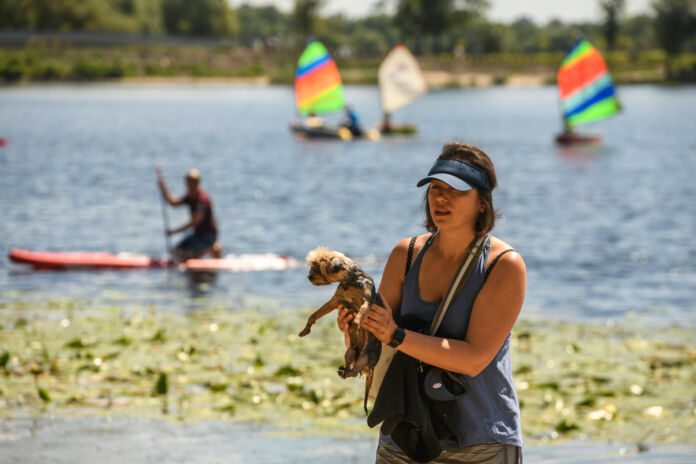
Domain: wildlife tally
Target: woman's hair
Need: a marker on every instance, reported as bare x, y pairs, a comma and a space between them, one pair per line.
476, 157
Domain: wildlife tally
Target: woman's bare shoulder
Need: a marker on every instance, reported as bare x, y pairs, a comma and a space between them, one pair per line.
403, 245
400, 252
498, 246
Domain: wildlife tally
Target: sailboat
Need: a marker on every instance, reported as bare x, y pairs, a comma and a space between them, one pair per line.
586, 91
401, 81
319, 90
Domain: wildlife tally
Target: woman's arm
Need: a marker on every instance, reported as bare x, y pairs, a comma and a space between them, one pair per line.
493, 315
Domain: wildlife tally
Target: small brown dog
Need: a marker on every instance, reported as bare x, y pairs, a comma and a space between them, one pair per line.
356, 292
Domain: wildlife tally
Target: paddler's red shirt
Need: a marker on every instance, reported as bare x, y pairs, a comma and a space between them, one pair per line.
201, 203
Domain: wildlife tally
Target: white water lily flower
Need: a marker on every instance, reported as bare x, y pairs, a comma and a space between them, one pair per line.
636, 389
654, 411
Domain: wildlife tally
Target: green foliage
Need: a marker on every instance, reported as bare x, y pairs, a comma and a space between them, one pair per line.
437, 25
613, 12
262, 25
200, 18
97, 68
445, 33
305, 16
675, 23
212, 18
70, 15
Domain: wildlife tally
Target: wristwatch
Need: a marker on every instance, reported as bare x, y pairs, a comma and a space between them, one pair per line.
398, 337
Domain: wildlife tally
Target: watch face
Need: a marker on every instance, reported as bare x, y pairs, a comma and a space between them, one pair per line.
397, 338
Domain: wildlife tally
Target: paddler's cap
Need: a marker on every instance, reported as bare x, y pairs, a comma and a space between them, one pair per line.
458, 174
193, 174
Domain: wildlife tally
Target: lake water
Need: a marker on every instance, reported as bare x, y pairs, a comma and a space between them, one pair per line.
606, 232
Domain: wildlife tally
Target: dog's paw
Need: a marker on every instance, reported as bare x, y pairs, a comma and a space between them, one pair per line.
344, 372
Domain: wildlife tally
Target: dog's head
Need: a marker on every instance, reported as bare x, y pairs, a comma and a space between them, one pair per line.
326, 266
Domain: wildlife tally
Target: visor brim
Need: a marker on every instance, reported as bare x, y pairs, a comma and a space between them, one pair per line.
453, 181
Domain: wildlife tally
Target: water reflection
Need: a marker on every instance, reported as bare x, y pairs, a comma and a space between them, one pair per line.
200, 283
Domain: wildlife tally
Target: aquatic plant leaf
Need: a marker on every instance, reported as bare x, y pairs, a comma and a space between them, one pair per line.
524, 369
43, 394
160, 336
162, 384
286, 370
565, 426
587, 401
4, 359
216, 387
76, 343
125, 341
548, 386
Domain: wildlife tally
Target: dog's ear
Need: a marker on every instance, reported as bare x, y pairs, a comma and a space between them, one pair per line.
336, 265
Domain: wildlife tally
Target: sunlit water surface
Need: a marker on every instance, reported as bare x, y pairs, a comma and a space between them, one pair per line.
606, 232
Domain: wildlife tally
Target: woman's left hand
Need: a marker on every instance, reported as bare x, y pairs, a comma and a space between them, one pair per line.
380, 322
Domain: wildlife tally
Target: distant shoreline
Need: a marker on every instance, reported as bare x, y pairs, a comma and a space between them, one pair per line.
435, 79
239, 66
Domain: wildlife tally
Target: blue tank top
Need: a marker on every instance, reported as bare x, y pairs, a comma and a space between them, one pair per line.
489, 410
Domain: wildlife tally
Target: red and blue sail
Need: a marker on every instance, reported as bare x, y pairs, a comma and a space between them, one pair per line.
586, 89
318, 87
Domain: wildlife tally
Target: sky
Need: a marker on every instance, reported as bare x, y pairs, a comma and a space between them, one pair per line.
540, 11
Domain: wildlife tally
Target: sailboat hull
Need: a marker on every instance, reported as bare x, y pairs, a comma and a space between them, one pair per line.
578, 139
321, 132
403, 129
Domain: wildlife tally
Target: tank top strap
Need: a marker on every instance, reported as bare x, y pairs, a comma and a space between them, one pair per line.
494, 262
416, 262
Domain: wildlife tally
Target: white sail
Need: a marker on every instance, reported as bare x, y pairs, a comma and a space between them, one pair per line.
400, 79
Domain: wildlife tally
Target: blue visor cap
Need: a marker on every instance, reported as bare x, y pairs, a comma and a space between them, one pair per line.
457, 174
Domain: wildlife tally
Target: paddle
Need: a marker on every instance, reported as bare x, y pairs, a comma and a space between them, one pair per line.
165, 217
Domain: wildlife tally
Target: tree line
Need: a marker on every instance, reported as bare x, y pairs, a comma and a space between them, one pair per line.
428, 27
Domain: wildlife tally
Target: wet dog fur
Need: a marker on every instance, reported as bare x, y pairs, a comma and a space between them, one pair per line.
356, 292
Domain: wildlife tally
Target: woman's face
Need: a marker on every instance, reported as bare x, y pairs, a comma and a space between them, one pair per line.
450, 208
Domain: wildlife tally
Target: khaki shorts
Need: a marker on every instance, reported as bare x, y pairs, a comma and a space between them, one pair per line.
485, 453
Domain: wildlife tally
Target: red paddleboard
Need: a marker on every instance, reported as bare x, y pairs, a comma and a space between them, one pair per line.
82, 260
91, 260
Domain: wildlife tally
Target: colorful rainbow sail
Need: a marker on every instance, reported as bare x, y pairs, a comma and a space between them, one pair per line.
585, 85
318, 87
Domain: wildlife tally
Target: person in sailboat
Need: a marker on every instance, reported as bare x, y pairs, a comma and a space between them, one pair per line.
313, 121
567, 129
203, 238
352, 122
386, 126
481, 424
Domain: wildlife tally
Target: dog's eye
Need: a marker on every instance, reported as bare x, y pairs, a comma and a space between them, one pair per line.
335, 267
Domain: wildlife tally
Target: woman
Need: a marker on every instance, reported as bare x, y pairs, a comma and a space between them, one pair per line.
474, 338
